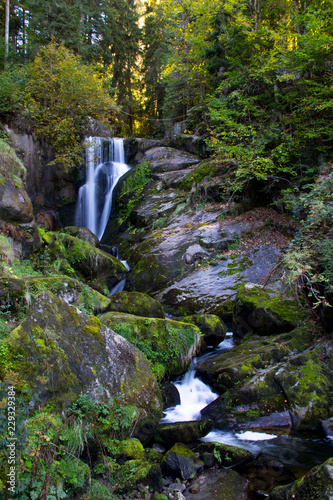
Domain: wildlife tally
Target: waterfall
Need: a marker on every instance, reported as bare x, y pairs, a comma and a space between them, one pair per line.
105, 164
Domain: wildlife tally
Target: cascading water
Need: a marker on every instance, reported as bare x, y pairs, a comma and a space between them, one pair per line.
105, 164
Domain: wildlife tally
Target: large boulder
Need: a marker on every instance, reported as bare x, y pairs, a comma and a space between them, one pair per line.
181, 462
317, 484
210, 325
135, 303
165, 159
58, 352
79, 258
268, 385
169, 345
264, 312
219, 485
182, 432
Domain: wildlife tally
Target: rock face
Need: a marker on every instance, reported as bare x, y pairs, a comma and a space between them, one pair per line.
315, 485
58, 352
165, 159
135, 303
169, 345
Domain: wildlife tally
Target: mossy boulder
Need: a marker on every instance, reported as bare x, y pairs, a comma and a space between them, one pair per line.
58, 352
79, 258
135, 303
129, 449
83, 233
219, 485
211, 326
272, 383
182, 432
181, 462
317, 484
169, 345
135, 472
264, 312
225, 455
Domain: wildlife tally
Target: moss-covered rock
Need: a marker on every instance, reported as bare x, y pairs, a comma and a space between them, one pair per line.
83, 233
181, 461
130, 449
264, 312
135, 303
211, 326
182, 432
135, 472
169, 345
317, 484
225, 455
76, 257
58, 352
272, 383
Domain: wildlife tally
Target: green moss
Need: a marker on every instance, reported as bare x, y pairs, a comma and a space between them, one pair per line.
165, 343
11, 167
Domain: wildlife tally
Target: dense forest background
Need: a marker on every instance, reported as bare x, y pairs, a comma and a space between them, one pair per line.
254, 79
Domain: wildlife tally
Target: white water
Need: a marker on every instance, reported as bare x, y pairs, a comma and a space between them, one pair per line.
105, 164
194, 394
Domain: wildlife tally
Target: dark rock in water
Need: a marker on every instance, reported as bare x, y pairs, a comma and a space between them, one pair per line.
327, 427
225, 455
265, 472
182, 432
83, 233
135, 303
219, 485
170, 395
211, 326
181, 462
64, 353
317, 484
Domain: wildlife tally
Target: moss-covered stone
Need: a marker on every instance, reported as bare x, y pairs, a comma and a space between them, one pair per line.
264, 312
224, 454
134, 472
135, 303
83, 233
182, 432
317, 484
58, 352
169, 345
211, 326
131, 449
78, 258
181, 461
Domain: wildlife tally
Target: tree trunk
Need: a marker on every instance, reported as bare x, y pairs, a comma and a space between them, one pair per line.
7, 29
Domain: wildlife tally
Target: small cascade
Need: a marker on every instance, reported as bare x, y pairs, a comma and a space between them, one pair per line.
105, 164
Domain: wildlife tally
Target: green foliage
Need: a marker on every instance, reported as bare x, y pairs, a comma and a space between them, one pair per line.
309, 260
12, 82
64, 93
132, 188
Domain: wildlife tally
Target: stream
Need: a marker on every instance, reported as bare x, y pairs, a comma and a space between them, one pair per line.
300, 454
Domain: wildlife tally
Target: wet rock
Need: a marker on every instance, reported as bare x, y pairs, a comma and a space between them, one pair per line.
156, 208
169, 345
135, 303
64, 352
181, 461
165, 159
317, 484
225, 455
182, 432
211, 326
265, 472
327, 427
170, 394
219, 485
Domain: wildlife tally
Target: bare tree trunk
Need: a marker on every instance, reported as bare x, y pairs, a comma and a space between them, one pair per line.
7, 29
